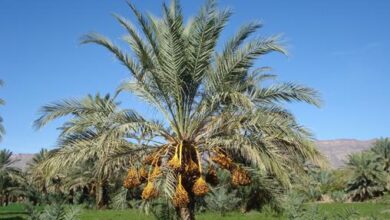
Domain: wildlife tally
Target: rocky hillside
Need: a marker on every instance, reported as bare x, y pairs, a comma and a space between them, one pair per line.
22, 160
336, 151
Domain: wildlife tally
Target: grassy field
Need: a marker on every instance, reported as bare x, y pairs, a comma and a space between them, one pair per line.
380, 211
133, 214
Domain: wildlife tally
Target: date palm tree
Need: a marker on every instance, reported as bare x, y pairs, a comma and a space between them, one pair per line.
382, 149
38, 177
9, 176
368, 179
84, 146
2, 102
213, 107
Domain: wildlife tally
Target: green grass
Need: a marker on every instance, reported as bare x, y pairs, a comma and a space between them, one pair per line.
366, 209
12, 212
379, 210
113, 215
133, 214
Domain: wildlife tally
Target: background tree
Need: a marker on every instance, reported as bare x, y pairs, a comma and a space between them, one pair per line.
382, 149
368, 178
9, 176
85, 146
37, 176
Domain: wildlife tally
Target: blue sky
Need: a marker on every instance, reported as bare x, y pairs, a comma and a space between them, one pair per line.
338, 47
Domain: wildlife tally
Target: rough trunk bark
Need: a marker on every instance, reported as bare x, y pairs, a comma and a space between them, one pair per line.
187, 213
102, 197
98, 195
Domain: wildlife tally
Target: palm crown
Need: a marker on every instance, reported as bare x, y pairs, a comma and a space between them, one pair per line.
382, 149
367, 176
8, 173
84, 141
215, 108
212, 102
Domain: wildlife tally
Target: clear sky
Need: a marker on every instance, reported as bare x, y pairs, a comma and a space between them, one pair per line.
338, 47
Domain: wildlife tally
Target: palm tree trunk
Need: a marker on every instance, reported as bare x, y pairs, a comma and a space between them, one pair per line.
85, 194
6, 199
102, 197
187, 213
98, 194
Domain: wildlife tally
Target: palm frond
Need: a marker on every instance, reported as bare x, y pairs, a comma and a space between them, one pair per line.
288, 92
131, 64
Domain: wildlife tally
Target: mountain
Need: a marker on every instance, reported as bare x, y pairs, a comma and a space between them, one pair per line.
335, 150
22, 160
338, 150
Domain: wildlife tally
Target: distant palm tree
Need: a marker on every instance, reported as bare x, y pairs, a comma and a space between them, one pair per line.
368, 179
36, 175
382, 149
2, 102
9, 176
85, 146
213, 104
